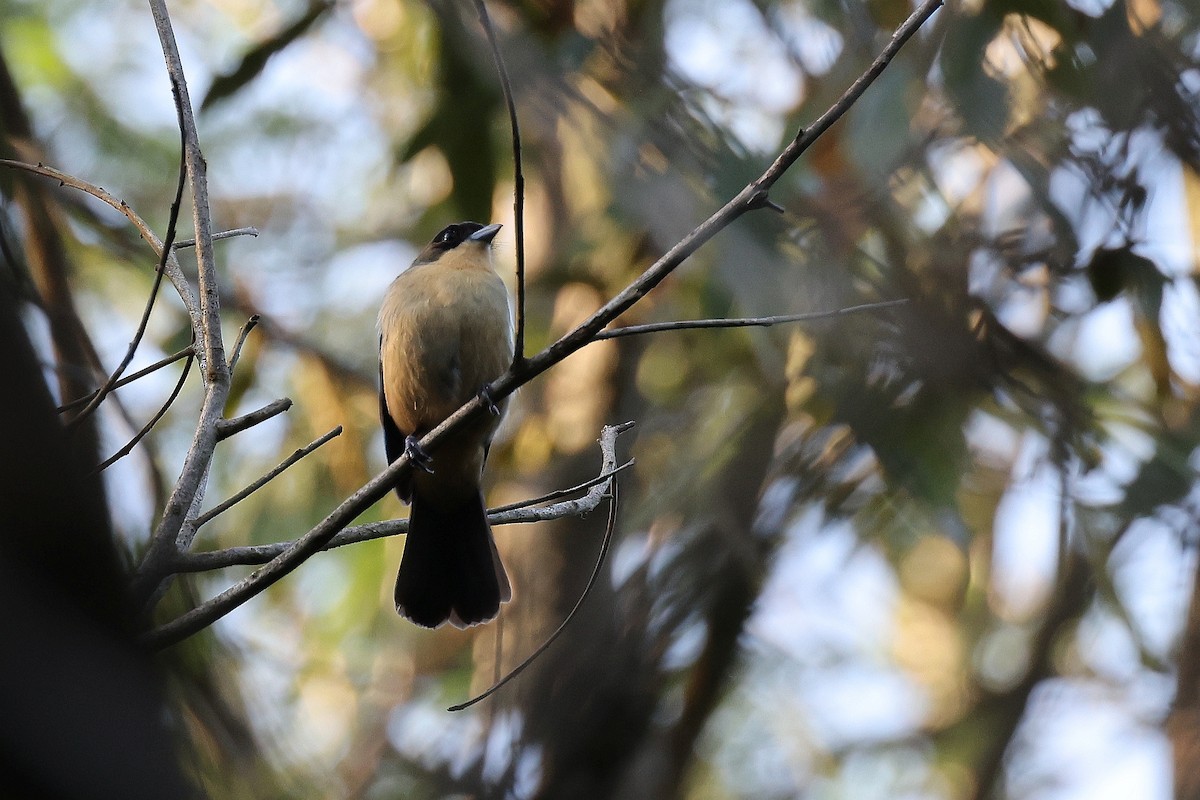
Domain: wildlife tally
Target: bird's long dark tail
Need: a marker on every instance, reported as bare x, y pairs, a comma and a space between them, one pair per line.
450, 570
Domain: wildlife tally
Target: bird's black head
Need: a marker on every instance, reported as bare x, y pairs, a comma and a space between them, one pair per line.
452, 236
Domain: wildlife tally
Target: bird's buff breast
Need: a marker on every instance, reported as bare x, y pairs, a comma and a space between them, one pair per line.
445, 334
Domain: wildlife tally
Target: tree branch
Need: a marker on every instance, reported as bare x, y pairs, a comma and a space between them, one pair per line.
743, 322
137, 437
514, 514
265, 479
518, 178
230, 427
174, 272
752, 196
172, 534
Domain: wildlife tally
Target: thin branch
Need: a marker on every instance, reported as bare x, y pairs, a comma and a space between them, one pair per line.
344, 371
128, 379
230, 427
178, 279
172, 536
293, 555
498, 513
241, 340
518, 178
753, 196
252, 555
265, 479
131, 350
744, 322
132, 443
587, 590
250, 231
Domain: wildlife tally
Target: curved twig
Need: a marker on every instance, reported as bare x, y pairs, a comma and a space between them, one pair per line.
164, 256
587, 590
174, 272
518, 178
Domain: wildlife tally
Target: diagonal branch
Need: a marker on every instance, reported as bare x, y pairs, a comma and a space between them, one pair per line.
128, 379
162, 411
164, 256
178, 279
753, 196
231, 427
265, 479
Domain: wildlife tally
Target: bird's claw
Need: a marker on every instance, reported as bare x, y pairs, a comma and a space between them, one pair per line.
485, 395
417, 455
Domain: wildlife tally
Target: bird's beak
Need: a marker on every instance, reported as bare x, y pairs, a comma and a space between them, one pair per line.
485, 234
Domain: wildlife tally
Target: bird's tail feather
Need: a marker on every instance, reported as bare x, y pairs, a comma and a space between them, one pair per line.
450, 570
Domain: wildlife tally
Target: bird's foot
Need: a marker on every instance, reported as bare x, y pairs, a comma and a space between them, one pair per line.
489, 402
417, 455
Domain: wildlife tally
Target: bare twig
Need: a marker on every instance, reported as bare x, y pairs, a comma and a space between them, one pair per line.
128, 379
518, 178
279, 334
164, 256
174, 273
251, 231
229, 427
137, 437
497, 514
241, 340
744, 322
265, 479
506, 515
587, 590
172, 535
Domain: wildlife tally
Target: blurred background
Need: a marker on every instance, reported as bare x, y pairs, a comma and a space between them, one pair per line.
944, 550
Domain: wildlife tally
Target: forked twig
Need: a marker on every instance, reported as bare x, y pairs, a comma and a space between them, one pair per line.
141, 373
137, 437
544, 646
178, 279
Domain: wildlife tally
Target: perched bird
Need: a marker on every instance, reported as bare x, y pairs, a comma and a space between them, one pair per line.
445, 333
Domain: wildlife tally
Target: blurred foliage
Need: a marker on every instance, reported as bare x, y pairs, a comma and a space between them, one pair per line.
901, 554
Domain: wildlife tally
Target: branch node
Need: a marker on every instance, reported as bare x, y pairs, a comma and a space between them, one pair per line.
762, 199
228, 427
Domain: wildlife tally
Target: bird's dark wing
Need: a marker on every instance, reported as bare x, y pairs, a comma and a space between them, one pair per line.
393, 437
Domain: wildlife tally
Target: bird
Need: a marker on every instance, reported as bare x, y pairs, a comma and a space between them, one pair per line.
445, 333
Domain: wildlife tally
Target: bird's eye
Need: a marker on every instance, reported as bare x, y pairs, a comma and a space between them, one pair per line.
448, 236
